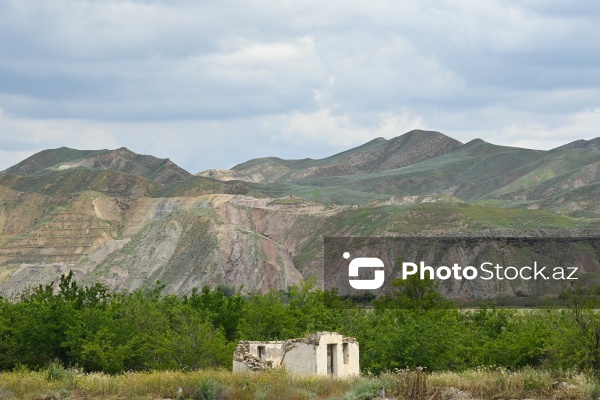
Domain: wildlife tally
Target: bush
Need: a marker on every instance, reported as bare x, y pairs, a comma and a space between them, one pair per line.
208, 389
144, 331
365, 390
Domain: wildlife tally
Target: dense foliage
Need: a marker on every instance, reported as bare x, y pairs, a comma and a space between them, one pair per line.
144, 330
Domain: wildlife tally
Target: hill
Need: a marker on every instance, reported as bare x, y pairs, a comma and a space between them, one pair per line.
377, 155
127, 220
593, 144
122, 160
562, 179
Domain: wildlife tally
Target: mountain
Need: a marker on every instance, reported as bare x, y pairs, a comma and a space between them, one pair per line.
49, 158
561, 179
127, 220
122, 160
593, 144
381, 155
259, 170
375, 156
119, 173
76, 180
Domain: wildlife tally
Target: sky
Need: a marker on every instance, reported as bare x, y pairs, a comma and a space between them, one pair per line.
210, 84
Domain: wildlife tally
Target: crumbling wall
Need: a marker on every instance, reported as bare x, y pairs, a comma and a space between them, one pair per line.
303, 356
300, 358
245, 360
351, 364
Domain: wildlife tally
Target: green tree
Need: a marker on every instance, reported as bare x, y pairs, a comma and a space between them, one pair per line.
413, 293
224, 311
266, 317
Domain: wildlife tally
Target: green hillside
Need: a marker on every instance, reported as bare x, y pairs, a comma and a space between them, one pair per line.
477, 171
127, 219
49, 158
122, 160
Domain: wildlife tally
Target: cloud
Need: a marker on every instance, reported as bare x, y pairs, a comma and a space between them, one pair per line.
21, 134
241, 79
324, 128
195, 145
546, 136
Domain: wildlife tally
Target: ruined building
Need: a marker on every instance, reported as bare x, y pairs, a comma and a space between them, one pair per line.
322, 353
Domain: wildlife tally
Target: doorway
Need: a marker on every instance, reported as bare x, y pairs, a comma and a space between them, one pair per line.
331, 359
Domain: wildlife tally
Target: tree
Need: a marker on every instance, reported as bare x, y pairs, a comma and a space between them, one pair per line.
413, 293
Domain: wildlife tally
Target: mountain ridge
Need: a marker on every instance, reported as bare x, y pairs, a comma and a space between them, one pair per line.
375, 155
591, 144
116, 217
121, 159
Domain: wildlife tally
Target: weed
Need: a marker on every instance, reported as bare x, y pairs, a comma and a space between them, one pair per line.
56, 382
208, 389
364, 390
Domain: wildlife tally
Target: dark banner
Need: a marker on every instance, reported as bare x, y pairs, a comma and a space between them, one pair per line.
466, 271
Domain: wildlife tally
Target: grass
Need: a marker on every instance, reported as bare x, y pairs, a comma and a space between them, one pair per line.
473, 217
286, 200
204, 384
77, 180
49, 158
57, 382
505, 177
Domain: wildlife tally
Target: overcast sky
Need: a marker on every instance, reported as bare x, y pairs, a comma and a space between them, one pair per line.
211, 84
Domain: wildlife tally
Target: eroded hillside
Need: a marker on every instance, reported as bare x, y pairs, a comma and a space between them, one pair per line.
129, 220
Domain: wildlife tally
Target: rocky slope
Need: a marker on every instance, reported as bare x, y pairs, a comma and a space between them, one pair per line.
127, 220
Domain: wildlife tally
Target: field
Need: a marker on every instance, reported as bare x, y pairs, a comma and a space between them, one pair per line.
57, 382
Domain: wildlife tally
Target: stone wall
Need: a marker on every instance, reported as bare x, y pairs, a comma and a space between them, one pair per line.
321, 353
244, 359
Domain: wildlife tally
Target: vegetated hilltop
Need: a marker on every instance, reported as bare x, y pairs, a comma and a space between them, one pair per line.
563, 179
123, 160
377, 155
127, 220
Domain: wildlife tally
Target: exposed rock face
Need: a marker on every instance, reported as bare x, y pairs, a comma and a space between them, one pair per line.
58, 231
185, 243
202, 241
268, 169
127, 220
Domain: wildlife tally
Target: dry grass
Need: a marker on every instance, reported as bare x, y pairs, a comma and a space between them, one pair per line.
499, 383
493, 383
56, 382
204, 384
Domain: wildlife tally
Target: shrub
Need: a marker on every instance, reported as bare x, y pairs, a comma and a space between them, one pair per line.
208, 389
